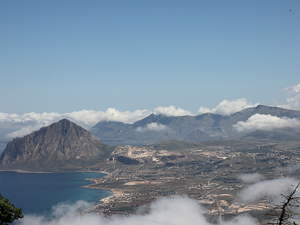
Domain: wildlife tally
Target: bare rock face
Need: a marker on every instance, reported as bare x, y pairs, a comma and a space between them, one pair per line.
62, 145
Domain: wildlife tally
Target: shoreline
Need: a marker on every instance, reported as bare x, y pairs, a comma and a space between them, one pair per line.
115, 192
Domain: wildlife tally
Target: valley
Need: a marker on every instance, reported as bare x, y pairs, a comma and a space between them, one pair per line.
208, 172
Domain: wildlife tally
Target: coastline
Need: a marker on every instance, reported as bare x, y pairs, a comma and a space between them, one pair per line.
116, 193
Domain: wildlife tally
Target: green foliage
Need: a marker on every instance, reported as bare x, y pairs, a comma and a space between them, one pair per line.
8, 212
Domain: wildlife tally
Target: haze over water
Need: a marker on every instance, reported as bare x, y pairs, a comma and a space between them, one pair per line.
36, 193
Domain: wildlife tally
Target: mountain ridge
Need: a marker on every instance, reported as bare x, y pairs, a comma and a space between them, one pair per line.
199, 128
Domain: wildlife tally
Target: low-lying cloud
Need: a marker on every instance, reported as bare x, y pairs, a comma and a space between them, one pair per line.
177, 210
268, 188
91, 117
153, 127
30, 122
226, 107
251, 178
266, 122
27, 130
172, 111
292, 168
86, 118
28, 117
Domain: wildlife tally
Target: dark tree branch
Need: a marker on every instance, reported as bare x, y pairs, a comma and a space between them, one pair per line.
285, 211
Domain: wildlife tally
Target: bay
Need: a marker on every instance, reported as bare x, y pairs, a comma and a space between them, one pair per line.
36, 193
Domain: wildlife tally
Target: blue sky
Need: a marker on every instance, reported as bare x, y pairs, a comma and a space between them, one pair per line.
64, 56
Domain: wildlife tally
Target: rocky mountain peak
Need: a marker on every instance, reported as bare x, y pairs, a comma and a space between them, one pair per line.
62, 144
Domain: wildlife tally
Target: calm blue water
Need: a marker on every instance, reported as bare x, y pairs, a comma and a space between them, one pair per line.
36, 193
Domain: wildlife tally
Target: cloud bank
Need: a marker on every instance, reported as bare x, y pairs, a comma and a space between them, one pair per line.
177, 210
292, 168
152, 127
87, 118
226, 107
91, 117
172, 111
30, 122
269, 188
266, 122
20, 125
28, 117
251, 178
27, 130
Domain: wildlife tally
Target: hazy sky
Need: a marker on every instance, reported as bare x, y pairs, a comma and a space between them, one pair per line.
64, 56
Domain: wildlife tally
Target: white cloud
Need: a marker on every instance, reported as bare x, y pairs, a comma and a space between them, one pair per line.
5, 117
88, 117
177, 210
293, 97
27, 123
91, 117
171, 111
29, 117
292, 168
203, 110
152, 127
269, 188
27, 130
251, 178
31, 122
63, 209
266, 122
226, 107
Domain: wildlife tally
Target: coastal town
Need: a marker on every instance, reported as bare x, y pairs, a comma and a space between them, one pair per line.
208, 173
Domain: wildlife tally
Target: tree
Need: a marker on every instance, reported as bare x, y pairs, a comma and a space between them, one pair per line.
285, 211
8, 212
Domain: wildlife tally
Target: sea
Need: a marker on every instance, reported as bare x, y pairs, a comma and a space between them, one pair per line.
36, 193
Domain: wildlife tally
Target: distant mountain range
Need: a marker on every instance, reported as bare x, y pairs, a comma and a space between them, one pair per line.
205, 127
65, 146
62, 145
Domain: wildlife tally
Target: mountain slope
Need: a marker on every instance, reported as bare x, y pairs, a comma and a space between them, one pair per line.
205, 127
61, 145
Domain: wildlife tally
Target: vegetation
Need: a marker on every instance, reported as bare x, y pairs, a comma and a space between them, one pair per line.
8, 212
